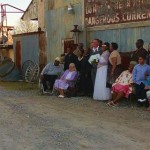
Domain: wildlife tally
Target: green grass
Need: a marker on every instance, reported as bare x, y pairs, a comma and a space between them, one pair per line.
18, 86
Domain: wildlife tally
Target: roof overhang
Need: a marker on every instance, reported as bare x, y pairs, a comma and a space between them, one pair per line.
27, 34
5, 46
31, 12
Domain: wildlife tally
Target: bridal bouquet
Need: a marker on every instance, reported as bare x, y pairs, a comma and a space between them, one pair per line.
94, 59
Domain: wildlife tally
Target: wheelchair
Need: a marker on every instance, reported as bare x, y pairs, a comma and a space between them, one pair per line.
41, 87
71, 91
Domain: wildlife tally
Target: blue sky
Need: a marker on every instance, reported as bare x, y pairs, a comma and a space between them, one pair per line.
13, 18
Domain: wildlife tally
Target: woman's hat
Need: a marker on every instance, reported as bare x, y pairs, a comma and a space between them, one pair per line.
57, 59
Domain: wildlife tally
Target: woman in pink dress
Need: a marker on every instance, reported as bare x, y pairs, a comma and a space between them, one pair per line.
122, 86
67, 80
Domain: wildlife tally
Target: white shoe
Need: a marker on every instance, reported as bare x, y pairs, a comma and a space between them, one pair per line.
61, 96
141, 100
51, 93
45, 92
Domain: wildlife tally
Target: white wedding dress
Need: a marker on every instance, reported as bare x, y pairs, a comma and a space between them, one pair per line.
100, 90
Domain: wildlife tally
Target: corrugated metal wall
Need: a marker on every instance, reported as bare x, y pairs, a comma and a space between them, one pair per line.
59, 23
126, 37
29, 47
32, 46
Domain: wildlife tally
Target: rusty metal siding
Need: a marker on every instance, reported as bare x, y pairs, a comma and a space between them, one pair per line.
33, 47
58, 26
15, 39
29, 48
126, 38
42, 51
41, 14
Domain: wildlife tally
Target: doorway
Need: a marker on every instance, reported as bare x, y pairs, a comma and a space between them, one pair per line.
68, 43
18, 55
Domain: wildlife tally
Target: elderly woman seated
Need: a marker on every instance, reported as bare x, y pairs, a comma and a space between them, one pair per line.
122, 86
66, 80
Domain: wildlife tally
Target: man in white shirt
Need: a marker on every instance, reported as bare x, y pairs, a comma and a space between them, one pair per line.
50, 73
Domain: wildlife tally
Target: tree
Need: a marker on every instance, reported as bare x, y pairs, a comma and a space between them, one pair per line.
26, 26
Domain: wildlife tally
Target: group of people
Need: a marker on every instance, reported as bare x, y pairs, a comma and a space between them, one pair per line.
98, 72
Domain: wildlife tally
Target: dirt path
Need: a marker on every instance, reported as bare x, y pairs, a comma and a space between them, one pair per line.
29, 122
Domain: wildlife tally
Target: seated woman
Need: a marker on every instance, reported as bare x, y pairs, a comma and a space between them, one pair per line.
122, 86
66, 81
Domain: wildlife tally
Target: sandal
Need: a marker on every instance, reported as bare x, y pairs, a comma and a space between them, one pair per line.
110, 104
115, 104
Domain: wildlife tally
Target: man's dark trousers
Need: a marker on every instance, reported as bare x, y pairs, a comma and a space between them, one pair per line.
51, 79
140, 91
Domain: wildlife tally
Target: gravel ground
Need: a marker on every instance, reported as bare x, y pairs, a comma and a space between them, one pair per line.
29, 121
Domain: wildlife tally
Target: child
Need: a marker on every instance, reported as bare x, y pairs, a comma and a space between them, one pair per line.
140, 72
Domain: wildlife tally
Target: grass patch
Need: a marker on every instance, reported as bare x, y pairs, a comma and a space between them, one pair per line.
18, 86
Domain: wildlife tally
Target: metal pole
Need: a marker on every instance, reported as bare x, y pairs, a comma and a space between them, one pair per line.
4, 16
2, 19
12, 12
6, 20
14, 7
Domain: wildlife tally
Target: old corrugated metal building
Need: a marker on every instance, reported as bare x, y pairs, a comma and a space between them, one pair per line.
124, 22
113, 21
35, 11
30, 47
59, 22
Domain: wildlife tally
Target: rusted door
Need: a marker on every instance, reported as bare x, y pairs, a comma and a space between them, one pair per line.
18, 55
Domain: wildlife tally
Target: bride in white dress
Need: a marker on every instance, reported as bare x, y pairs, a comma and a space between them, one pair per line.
100, 90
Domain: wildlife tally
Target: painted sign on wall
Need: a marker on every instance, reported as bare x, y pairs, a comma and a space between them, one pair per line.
105, 12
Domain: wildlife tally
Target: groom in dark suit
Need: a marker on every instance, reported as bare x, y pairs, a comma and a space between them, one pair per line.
96, 49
